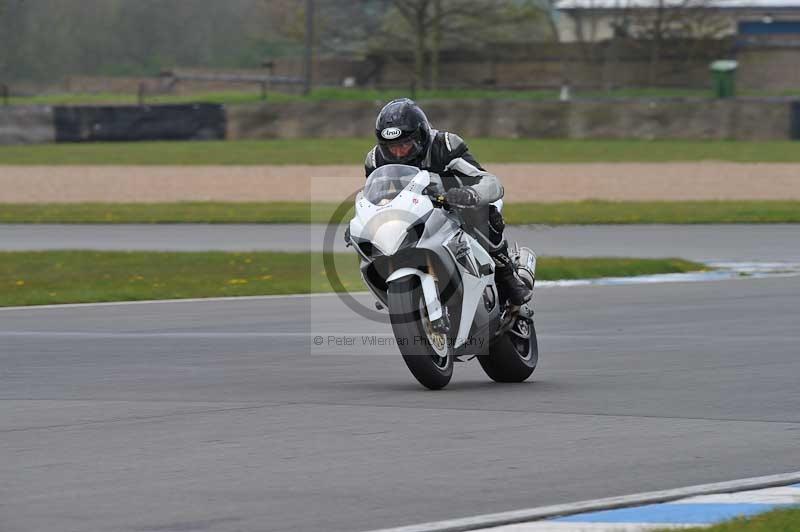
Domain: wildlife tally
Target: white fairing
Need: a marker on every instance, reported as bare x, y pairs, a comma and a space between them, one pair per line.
473, 284
393, 200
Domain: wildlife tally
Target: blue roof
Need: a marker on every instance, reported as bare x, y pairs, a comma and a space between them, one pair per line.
648, 4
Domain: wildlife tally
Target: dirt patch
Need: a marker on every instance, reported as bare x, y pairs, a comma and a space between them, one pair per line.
523, 182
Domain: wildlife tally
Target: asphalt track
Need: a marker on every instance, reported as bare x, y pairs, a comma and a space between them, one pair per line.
737, 242
225, 415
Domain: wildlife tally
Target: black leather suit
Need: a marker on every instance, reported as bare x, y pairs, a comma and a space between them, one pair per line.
448, 156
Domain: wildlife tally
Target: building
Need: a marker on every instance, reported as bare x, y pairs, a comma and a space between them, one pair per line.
750, 21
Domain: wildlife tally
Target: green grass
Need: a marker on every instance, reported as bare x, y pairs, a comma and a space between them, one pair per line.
352, 151
51, 277
587, 212
188, 212
252, 94
775, 521
235, 97
657, 212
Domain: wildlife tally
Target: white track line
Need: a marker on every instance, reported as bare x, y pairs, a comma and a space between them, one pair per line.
191, 300
197, 335
544, 512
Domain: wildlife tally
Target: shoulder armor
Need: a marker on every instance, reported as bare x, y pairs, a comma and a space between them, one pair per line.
370, 160
455, 144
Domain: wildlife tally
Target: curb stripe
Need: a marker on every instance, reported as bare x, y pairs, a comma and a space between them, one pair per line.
701, 511
561, 510
676, 513
553, 526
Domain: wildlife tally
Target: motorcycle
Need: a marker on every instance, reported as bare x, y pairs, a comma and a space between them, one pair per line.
435, 276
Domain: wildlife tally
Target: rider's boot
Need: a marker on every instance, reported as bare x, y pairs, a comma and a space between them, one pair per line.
509, 285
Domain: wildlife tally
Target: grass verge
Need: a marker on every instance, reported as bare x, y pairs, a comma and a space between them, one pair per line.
775, 521
351, 151
235, 97
587, 212
655, 212
253, 95
52, 277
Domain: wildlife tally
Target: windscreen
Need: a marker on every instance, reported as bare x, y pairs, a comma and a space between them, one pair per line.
386, 182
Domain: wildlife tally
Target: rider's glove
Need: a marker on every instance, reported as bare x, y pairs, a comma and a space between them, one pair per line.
462, 197
347, 235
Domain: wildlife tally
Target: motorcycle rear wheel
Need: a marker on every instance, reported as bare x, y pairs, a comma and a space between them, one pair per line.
427, 355
511, 358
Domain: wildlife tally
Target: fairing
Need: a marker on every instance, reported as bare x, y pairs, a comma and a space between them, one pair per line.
401, 228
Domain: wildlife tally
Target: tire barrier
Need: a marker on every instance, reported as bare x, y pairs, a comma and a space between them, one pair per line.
132, 123
795, 128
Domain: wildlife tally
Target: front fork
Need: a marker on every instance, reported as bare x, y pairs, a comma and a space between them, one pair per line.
436, 313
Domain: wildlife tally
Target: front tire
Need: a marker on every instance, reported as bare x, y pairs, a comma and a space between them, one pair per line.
427, 355
511, 357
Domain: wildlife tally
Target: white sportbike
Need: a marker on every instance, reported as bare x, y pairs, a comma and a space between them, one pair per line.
436, 278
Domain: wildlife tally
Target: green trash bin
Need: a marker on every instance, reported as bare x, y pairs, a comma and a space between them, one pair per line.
723, 73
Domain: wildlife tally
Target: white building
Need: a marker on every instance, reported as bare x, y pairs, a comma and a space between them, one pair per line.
598, 20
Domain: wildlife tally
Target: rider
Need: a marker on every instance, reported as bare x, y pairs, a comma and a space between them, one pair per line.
406, 137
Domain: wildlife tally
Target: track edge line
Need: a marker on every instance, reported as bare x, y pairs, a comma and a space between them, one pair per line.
181, 300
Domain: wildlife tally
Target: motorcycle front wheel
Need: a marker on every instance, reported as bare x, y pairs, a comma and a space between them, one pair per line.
426, 352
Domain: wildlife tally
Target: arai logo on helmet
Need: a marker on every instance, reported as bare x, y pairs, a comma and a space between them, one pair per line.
391, 133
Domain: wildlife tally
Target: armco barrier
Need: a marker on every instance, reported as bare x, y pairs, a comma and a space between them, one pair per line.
325, 119
26, 125
128, 123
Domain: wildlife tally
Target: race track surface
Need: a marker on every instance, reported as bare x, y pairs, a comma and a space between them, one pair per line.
737, 242
225, 416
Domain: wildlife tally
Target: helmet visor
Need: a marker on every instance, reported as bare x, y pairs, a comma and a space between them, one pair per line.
401, 150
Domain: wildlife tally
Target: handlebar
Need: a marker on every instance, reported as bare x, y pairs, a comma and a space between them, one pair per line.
438, 200
437, 197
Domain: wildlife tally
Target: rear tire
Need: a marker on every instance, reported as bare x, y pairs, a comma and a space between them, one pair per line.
510, 358
432, 367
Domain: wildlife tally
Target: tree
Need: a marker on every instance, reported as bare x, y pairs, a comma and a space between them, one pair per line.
44, 40
425, 27
654, 29
682, 23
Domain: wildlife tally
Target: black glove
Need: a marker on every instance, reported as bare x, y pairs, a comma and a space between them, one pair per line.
462, 197
347, 235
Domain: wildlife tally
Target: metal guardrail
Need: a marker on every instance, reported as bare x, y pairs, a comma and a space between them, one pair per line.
265, 81
233, 78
